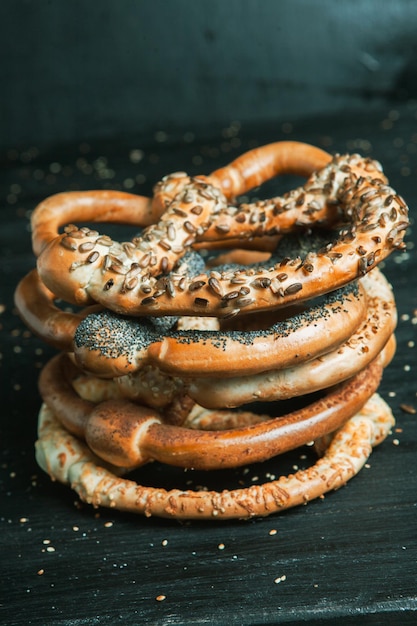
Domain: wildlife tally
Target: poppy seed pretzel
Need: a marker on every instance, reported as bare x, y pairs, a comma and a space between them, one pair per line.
110, 345
134, 278
323, 371
70, 461
151, 386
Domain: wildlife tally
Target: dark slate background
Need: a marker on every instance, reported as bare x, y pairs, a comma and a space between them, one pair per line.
79, 69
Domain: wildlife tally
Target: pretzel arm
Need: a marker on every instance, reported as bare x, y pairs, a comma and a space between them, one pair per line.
255, 167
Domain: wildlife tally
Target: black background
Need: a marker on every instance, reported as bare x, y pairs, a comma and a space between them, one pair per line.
115, 95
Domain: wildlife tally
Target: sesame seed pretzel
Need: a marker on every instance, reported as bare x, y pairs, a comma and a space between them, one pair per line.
70, 461
129, 435
139, 278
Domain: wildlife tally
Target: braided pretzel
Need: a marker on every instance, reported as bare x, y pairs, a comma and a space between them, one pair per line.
81, 267
70, 461
128, 435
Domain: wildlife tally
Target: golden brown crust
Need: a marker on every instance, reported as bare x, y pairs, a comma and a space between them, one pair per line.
88, 206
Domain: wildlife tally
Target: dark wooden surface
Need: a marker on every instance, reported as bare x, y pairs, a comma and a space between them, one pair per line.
351, 556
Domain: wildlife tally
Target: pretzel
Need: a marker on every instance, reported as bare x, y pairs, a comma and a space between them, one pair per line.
110, 345
351, 191
70, 461
157, 390
319, 373
127, 434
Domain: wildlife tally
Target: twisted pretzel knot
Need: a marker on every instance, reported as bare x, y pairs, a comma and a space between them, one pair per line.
139, 277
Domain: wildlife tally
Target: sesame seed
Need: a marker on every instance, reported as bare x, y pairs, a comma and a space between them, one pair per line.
280, 579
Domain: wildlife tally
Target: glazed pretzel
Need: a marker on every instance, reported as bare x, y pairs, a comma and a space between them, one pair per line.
71, 462
129, 435
136, 278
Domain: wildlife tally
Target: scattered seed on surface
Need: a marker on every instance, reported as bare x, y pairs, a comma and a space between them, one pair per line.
408, 408
280, 579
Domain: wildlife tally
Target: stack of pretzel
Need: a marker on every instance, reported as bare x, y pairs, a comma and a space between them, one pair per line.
213, 305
